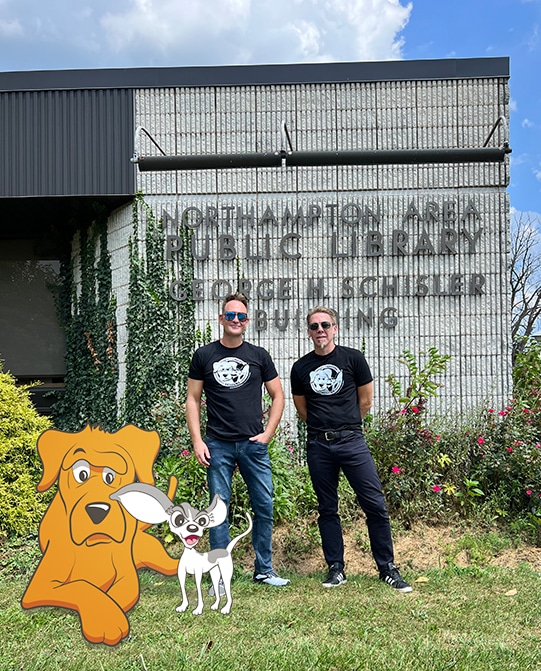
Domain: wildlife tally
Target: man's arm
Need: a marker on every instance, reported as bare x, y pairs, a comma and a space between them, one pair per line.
300, 405
276, 392
193, 418
365, 395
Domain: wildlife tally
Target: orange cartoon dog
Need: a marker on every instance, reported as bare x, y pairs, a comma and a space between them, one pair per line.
91, 547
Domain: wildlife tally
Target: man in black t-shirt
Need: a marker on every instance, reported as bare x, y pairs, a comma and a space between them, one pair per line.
232, 373
332, 391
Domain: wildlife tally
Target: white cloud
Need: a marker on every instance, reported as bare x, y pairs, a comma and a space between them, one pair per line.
526, 123
10, 28
170, 25
259, 31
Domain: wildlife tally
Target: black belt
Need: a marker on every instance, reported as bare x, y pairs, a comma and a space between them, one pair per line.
332, 435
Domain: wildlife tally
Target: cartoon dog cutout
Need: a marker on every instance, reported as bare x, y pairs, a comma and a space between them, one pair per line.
91, 547
148, 504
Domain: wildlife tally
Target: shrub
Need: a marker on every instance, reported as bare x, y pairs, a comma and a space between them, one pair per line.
20, 467
176, 457
507, 461
408, 452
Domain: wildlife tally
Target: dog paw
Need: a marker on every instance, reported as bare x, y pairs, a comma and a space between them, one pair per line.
182, 607
226, 609
109, 630
198, 610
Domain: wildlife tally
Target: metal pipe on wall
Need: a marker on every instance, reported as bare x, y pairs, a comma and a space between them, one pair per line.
322, 158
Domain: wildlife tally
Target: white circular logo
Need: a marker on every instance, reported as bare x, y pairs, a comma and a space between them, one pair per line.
231, 372
326, 380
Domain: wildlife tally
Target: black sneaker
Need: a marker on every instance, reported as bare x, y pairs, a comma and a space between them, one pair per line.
393, 578
335, 576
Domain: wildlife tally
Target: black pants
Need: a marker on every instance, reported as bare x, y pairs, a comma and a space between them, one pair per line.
351, 454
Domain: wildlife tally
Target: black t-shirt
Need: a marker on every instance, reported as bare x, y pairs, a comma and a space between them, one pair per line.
329, 384
232, 381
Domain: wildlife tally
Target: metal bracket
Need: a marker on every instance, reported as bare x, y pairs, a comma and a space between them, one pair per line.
138, 131
286, 157
501, 120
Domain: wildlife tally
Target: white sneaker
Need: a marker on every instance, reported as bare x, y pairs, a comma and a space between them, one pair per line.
271, 578
221, 588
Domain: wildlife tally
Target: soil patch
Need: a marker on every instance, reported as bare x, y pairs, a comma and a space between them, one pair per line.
417, 550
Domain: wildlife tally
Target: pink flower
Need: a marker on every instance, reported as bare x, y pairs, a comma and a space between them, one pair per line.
491, 410
185, 453
526, 409
415, 409
403, 411
395, 469
509, 449
438, 438
480, 440
502, 413
529, 492
436, 488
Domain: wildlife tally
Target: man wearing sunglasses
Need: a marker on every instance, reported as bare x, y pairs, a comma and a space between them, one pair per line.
232, 373
332, 391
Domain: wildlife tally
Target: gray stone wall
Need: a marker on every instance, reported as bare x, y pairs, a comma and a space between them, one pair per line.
411, 256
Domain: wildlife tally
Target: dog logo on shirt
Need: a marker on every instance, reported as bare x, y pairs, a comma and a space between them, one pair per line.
231, 372
326, 380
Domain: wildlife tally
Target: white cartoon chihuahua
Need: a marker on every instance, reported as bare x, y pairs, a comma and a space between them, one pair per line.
151, 506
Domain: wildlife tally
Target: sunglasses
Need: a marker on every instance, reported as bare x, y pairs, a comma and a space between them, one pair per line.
229, 316
324, 325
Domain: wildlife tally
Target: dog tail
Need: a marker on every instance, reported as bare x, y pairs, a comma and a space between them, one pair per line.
235, 540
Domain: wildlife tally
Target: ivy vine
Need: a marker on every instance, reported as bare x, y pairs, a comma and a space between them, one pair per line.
89, 323
160, 331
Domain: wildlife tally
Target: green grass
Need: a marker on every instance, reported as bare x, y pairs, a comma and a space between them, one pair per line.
460, 619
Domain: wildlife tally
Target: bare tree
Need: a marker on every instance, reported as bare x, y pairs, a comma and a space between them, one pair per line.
525, 277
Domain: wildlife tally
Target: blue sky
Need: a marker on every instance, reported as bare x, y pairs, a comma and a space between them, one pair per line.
131, 33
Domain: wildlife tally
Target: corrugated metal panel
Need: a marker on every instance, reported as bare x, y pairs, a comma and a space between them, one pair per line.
66, 143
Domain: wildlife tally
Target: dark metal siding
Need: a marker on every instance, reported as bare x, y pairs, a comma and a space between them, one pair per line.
66, 143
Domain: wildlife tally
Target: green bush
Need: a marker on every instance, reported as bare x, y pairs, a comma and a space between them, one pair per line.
507, 461
20, 467
407, 448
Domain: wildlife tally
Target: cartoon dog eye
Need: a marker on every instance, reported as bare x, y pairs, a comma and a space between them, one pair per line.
202, 520
81, 471
177, 519
108, 476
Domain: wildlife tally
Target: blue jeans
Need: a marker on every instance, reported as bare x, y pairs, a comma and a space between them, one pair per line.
351, 454
254, 465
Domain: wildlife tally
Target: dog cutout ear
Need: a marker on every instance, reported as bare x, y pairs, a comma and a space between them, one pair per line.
217, 511
144, 502
143, 446
52, 448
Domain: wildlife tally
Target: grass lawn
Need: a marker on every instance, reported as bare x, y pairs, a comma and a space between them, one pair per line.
464, 619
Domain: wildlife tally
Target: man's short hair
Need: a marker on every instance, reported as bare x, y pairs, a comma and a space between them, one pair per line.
237, 296
321, 308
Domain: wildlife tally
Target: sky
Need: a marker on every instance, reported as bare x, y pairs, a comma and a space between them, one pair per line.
63, 34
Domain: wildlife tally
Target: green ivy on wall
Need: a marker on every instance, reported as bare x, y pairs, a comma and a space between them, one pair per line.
161, 333
89, 322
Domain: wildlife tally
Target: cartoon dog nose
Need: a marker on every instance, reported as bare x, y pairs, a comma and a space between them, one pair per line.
97, 511
192, 527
